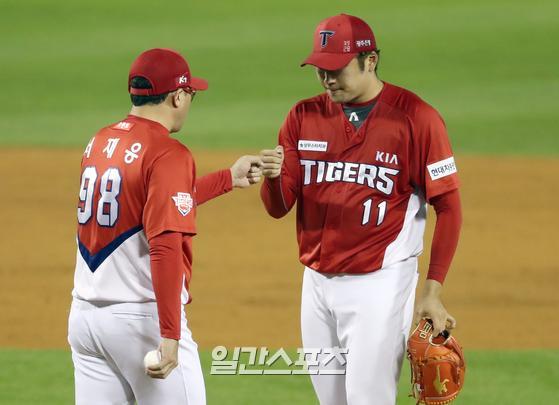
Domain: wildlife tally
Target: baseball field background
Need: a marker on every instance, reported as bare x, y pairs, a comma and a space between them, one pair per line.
489, 67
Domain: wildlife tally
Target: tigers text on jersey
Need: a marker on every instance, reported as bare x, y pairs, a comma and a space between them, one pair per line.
136, 182
362, 192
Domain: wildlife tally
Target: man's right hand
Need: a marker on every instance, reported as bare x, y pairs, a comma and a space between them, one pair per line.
272, 159
169, 349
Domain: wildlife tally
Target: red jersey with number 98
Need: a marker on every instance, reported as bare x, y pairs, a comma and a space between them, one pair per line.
361, 194
136, 182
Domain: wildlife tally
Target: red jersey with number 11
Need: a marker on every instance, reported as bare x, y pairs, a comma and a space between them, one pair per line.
361, 193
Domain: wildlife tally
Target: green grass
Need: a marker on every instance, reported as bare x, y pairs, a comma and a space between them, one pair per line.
493, 377
488, 66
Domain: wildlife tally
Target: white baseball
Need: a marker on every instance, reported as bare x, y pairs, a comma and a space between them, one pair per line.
152, 358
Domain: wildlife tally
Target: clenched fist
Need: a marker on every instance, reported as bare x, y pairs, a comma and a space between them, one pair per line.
246, 171
272, 159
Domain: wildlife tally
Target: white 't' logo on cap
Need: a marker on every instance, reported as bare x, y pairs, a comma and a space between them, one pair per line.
324, 35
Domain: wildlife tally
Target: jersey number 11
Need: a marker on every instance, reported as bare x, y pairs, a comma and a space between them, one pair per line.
381, 207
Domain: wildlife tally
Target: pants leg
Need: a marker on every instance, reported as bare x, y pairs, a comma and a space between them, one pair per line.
318, 329
122, 334
97, 381
374, 313
185, 384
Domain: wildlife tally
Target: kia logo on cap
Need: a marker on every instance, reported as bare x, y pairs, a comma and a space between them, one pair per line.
324, 35
183, 79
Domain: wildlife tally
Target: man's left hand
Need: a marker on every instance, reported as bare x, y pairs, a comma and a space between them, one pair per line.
430, 306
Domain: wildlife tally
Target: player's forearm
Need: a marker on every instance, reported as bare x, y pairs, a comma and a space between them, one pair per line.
213, 185
167, 272
274, 197
446, 235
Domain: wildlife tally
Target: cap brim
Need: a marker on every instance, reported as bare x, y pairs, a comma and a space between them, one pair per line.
197, 83
329, 61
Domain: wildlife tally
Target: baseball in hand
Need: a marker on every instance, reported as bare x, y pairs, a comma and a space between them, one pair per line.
152, 358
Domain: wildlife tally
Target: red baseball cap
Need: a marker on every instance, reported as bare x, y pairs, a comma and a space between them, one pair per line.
166, 70
338, 39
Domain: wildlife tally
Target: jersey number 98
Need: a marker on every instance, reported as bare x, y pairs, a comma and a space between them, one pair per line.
109, 189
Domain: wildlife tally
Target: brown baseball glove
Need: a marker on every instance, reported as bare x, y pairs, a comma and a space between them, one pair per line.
437, 365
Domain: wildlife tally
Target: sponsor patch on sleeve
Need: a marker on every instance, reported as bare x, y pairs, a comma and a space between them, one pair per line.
315, 146
442, 168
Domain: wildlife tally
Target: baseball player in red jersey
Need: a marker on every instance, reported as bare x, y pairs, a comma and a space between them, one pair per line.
362, 160
136, 218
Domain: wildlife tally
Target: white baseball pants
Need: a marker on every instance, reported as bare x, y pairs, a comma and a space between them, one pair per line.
108, 346
370, 315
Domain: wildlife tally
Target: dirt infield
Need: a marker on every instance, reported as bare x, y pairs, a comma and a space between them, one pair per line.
246, 286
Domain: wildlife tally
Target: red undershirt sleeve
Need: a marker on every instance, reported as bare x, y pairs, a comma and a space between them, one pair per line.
213, 185
280, 194
447, 231
168, 272
273, 198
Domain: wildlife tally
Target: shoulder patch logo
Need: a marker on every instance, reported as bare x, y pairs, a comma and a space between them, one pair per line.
184, 203
442, 168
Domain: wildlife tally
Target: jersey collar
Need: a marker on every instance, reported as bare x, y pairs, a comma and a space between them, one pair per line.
153, 124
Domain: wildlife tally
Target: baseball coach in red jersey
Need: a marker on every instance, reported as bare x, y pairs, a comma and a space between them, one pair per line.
136, 213
362, 160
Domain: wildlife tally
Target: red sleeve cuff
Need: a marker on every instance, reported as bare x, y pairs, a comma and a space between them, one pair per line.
169, 334
272, 196
437, 272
